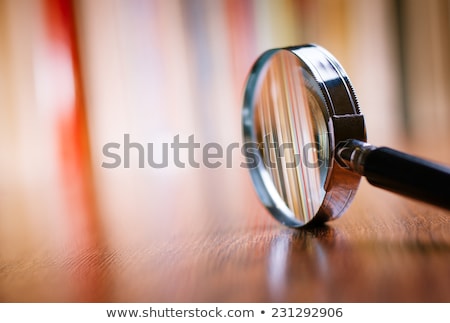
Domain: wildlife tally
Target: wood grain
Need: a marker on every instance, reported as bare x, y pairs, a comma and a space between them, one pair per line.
385, 249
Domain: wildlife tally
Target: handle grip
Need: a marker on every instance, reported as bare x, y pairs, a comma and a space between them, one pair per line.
408, 175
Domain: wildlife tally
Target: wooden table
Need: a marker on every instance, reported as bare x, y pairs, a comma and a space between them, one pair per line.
210, 240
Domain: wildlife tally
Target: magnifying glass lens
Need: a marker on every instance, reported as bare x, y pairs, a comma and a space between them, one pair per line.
292, 133
298, 105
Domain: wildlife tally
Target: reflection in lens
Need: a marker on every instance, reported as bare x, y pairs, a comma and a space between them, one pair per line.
292, 133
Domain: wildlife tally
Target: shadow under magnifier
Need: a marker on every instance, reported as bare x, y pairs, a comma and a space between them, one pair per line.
299, 257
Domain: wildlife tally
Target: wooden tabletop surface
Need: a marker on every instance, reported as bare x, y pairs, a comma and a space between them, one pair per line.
210, 240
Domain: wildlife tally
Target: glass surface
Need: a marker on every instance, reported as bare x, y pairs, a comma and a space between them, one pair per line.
292, 133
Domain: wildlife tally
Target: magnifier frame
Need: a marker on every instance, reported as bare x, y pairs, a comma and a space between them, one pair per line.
343, 120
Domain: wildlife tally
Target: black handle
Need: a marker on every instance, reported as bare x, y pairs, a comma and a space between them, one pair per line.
408, 175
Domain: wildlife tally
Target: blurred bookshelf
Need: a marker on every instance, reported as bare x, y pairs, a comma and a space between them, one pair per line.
424, 49
78, 74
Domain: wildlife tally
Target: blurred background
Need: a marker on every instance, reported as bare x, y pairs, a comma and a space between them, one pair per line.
76, 75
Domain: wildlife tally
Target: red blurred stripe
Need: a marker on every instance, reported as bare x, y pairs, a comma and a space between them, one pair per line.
60, 41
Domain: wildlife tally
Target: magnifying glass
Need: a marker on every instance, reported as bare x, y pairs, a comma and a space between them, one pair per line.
303, 126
